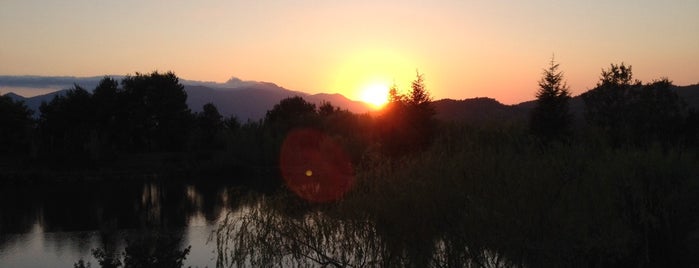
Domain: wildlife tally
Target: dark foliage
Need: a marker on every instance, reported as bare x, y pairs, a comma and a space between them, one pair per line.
630, 113
551, 119
210, 124
15, 127
407, 122
67, 125
656, 113
605, 105
291, 112
488, 197
157, 251
148, 114
156, 109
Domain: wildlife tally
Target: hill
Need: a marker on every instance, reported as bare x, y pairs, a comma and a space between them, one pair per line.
690, 95
486, 110
253, 102
477, 111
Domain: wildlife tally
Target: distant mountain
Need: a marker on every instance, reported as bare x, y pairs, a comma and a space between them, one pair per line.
244, 99
253, 102
34, 102
90, 82
14, 96
57, 82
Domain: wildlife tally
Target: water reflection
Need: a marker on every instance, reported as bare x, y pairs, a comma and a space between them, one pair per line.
64, 222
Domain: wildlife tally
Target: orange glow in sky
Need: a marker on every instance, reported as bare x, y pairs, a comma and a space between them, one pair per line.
465, 48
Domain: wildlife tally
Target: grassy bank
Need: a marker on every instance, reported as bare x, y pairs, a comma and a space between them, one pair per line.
488, 198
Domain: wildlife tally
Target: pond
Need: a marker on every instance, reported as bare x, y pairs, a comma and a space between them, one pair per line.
57, 225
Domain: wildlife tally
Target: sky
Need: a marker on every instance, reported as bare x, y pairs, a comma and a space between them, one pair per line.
464, 48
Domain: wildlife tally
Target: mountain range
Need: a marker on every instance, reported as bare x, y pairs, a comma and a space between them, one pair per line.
247, 100
250, 100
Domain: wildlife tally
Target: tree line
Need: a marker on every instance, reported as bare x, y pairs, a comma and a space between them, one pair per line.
148, 114
620, 110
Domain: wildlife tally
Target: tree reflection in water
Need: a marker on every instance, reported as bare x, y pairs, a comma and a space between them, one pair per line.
154, 249
137, 224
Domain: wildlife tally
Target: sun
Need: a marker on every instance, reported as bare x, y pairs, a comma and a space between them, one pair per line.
375, 94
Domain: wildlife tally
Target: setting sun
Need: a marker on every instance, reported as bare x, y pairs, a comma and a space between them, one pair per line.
375, 94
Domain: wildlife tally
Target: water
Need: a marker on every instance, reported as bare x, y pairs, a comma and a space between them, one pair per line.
56, 225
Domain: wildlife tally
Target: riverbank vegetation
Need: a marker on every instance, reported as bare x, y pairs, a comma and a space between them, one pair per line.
487, 198
607, 193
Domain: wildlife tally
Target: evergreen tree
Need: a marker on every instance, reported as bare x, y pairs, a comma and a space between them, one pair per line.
551, 118
407, 123
420, 113
393, 95
418, 95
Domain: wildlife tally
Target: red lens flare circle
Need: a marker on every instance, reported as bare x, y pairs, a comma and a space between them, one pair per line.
314, 166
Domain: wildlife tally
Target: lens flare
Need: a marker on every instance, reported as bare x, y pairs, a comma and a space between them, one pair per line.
314, 166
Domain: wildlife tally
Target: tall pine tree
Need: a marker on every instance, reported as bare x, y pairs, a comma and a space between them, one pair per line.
551, 119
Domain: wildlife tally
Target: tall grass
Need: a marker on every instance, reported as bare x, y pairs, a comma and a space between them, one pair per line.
486, 198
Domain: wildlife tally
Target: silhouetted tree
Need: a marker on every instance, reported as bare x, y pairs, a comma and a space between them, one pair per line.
327, 109
232, 123
407, 122
210, 119
551, 118
418, 95
259, 143
289, 113
350, 130
109, 115
420, 112
209, 126
629, 112
67, 124
393, 95
156, 108
106, 91
656, 113
606, 106
15, 126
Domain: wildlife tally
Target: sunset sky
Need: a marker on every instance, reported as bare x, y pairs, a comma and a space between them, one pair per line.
465, 48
